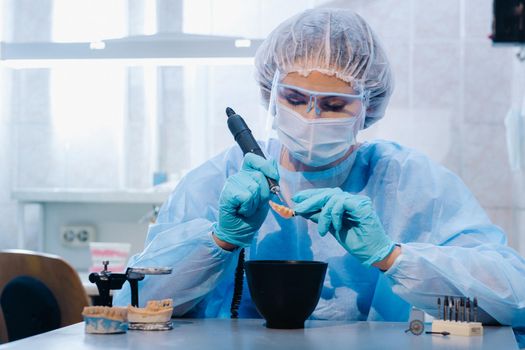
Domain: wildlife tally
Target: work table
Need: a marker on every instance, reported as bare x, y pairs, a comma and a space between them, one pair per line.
228, 334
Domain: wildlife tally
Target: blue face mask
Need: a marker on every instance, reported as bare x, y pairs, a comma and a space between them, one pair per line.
315, 142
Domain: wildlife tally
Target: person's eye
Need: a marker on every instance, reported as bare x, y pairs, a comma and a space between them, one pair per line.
333, 105
296, 99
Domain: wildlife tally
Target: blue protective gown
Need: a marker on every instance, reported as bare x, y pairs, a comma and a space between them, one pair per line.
449, 245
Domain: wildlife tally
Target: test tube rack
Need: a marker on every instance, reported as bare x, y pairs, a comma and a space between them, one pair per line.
458, 327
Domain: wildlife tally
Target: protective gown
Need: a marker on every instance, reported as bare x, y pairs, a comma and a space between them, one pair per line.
449, 245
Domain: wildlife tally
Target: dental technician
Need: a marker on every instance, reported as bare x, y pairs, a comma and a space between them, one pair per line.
415, 231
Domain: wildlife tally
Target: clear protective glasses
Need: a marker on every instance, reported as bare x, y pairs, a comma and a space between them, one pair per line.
325, 104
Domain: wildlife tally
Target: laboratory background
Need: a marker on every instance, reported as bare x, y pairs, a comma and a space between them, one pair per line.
99, 143
106, 105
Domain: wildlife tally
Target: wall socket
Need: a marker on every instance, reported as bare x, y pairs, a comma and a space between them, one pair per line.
77, 236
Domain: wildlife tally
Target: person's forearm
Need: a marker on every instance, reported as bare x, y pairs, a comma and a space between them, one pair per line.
492, 273
224, 245
385, 264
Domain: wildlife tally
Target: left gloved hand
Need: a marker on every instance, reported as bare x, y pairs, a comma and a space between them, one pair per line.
351, 219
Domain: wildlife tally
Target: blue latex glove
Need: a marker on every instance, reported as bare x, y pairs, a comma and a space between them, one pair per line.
351, 219
243, 203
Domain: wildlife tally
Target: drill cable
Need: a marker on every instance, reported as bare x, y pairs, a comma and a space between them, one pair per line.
238, 284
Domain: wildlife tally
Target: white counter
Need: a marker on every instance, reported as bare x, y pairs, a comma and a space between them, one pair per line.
228, 334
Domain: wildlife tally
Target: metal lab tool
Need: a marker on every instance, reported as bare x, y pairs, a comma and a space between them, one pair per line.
441, 333
416, 325
467, 305
475, 309
464, 309
461, 309
445, 308
107, 280
136, 274
451, 308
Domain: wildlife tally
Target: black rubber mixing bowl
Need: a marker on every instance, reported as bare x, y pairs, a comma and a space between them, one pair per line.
285, 292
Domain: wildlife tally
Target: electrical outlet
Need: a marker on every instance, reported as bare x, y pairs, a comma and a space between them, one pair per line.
77, 236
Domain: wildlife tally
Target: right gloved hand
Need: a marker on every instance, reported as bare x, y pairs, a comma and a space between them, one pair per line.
243, 204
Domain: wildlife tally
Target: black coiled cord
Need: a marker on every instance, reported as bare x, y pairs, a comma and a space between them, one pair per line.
237, 288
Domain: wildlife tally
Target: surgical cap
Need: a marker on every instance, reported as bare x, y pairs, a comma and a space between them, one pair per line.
336, 42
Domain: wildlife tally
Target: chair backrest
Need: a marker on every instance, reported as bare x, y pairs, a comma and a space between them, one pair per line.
60, 277
29, 308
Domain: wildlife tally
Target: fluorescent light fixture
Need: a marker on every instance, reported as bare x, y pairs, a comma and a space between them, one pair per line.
172, 45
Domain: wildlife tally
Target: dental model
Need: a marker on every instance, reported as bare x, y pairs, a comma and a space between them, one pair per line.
156, 311
282, 210
105, 319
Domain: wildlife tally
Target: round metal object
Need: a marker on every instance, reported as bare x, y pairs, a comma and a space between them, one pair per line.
416, 327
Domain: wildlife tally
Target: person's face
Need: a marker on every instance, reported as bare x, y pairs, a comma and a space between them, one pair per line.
329, 104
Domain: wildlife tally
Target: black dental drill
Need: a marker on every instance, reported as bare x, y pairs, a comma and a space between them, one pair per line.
244, 138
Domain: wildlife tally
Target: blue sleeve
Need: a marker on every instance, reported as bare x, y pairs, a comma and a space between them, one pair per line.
448, 244
182, 239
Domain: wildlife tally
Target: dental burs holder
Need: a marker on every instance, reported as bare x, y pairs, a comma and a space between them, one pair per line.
459, 317
107, 281
463, 328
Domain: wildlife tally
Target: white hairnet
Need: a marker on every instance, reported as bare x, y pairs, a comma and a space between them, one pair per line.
332, 41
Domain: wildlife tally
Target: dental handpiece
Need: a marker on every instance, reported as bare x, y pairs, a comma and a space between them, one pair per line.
244, 138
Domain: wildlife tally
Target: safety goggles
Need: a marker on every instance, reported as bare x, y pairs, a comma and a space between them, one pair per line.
329, 104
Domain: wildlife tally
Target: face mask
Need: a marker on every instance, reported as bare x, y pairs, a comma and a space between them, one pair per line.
315, 142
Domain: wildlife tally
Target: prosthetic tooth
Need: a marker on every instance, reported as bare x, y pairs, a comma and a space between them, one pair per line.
282, 210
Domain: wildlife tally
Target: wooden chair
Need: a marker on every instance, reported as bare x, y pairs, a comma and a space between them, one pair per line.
60, 277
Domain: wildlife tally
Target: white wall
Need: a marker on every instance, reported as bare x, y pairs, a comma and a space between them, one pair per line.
453, 92
113, 223
7, 207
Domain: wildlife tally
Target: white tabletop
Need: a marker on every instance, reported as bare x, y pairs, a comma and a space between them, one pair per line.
228, 334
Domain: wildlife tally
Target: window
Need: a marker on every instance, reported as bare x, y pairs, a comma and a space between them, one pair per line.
86, 21
109, 124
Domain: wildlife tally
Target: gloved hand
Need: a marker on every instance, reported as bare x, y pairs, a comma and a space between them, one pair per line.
351, 219
243, 204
